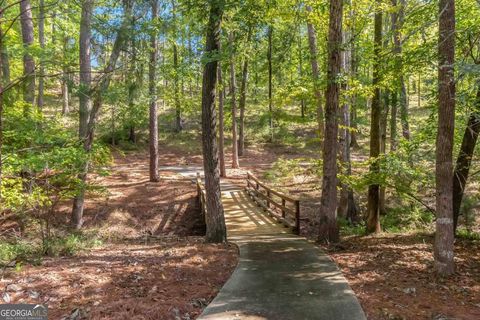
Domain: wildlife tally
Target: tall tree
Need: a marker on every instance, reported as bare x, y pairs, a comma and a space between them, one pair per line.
397, 24
87, 133
444, 236
312, 43
85, 67
28, 62
270, 80
84, 100
347, 207
221, 129
464, 160
214, 217
300, 68
5, 68
233, 101
152, 89
176, 85
41, 40
328, 214
65, 86
373, 210
243, 98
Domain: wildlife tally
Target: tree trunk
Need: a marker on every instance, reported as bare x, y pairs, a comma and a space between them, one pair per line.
65, 87
444, 236
5, 68
312, 42
270, 81
243, 99
300, 69
397, 24
28, 62
383, 145
152, 90
88, 137
176, 93
328, 216
464, 159
41, 39
347, 207
84, 101
214, 216
393, 121
176, 88
373, 212
353, 109
221, 130
233, 89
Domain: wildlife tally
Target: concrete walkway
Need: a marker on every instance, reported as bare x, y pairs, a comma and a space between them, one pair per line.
280, 276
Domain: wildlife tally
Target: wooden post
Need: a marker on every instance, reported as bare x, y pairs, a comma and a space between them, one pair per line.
297, 216
283, 211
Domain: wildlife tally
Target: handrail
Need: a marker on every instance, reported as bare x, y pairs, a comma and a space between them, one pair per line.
265, 199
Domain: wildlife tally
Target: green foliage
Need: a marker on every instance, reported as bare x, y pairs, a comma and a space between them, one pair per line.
23, 250
406, 218
42, 162
463, 233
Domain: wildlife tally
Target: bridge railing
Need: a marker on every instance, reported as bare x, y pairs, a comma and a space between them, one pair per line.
282, 207
201, 194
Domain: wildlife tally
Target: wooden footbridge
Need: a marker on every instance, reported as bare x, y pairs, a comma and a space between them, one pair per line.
278, 206
280, 275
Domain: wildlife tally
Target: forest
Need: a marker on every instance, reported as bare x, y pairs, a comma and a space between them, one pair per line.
365, 114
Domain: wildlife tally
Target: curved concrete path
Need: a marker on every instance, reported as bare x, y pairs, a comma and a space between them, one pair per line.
280, 276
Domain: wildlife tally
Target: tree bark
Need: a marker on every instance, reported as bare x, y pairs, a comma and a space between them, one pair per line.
354, 71
65, 87
84, 101
233, 89
300, 70
444, 236
28, 62
347, 207
397, 24
312, 43
464, 159
41, 39
393, 121
85, 67
221, 130
5, 67
373, 206
152, 90
243, 99
383, 146
270, 81
214, 216
88, 137
328, 215
176, 87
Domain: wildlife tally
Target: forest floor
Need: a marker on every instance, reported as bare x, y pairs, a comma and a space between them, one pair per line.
392, 273
153, 263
